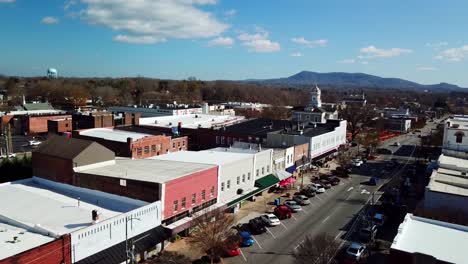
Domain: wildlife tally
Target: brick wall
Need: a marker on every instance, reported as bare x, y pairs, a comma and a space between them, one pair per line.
38, 124
179, 144
55, 252
52, 168
145, 191
301, 150
150, 146
59, 126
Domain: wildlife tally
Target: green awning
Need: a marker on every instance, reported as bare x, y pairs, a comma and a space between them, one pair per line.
267, 181
262, 184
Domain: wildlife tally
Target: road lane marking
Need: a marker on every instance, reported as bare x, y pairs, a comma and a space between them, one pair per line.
256, 241
270, 232
324, 220
299, 244
350, 188
243, 256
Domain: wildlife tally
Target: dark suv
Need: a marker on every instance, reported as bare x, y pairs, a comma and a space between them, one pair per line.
257, 226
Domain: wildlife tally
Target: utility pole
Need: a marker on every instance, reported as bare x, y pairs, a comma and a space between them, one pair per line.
129, 252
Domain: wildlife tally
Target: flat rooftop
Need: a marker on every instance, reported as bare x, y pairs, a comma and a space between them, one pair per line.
54, 207
240, 150
204, 157
33, 112
148, 170
192, 121
451, 176
113, 134
25, 241
442, 240
458, 122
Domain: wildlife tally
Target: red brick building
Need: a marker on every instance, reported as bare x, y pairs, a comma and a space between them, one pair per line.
38, 124
182, 187
133, 141
56, 158
92, 120
55, 252
59, 126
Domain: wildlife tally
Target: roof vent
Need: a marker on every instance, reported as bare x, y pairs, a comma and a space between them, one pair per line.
463, 173
15, 240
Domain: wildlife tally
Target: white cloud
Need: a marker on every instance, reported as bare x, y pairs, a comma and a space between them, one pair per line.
138, 39
426, 68
221, 41
374, 52
437, 45
310, 43
6, 1
347, 61
50, 20
69, 4
259, 41
364, 62
296, 54
153, 21
454, 54
230, 13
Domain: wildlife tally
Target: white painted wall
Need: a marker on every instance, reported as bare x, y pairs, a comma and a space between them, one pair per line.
93, 239
289, 158
450, 140
230, 172
328, 141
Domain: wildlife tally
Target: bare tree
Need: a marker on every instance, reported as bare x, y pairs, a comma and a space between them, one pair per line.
357, 118
212, 231
167, 257
343, 157
316, 250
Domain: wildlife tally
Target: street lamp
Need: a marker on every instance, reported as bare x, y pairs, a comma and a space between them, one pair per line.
129, 252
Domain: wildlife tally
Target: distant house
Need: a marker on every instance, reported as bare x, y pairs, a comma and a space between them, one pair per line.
315, 112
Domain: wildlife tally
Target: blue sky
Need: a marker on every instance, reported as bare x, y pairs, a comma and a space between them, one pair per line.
423, 41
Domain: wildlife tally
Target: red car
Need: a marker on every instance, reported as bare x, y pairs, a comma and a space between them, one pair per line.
232, 250
282, 212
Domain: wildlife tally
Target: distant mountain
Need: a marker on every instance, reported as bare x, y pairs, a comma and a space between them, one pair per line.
352, 80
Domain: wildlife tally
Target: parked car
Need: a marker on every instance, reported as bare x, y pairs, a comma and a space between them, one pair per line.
301, 199
325, 183
232, 249
293, 206
257, 226
270, 219
282, 212
319, 188
307, 191
334, 180
396, 144
384, 151
9, 156
314, 168
355, 250
246, 239
378, 219
367, 234
356, 162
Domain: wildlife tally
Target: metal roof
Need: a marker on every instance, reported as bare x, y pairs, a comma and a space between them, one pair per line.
113, 134
205, 157
444, 241
148, 170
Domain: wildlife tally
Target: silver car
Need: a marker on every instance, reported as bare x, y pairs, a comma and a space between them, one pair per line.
295, 207
301, 199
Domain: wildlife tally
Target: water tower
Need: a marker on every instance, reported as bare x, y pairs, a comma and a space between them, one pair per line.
52, 73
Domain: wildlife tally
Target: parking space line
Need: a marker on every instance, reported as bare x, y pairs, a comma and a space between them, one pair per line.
283, 225
243, 256
324, 220
256, 241
338, 235
304, 210
270, 232
319, 198
294, 217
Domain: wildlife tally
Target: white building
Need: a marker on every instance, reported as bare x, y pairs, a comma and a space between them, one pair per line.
400, 125
455, 141
46, 210
448, 186
314, 112
322, 138
423, 240
162, 110
192, 121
